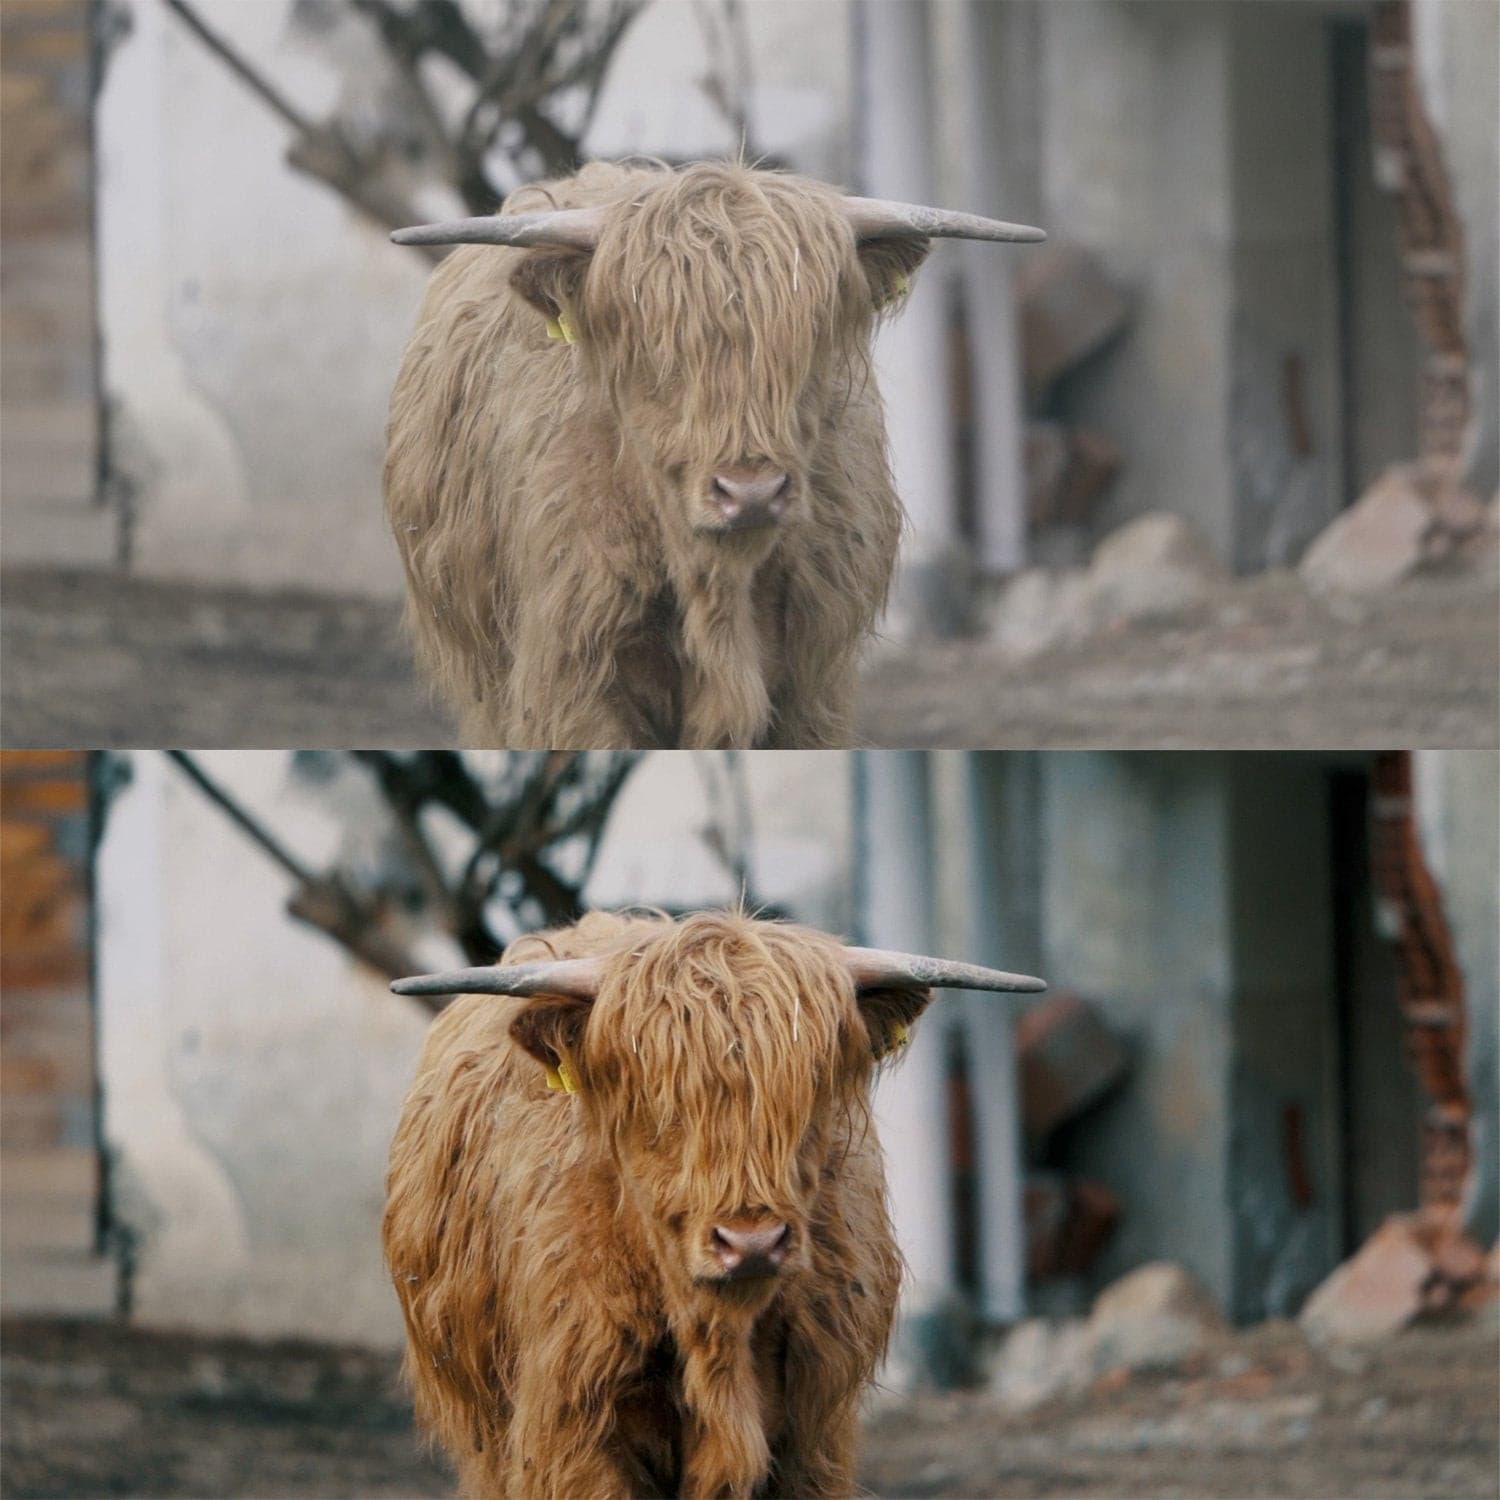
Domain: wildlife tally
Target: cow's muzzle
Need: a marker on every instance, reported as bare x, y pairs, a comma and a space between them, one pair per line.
746, 1252
746, 497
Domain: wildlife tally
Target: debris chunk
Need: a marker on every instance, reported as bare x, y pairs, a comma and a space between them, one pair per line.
1070, 308
1375, 1292
1068, 1057
1154, 1318
1067, 469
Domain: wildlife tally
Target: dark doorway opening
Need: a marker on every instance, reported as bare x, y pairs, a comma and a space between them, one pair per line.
1380, 352
1380, 1103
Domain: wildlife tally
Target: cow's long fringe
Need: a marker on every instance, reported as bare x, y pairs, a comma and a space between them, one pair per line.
541, 492
556, 1343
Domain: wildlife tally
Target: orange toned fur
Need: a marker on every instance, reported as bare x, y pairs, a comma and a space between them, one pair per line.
547, 1247
548, 498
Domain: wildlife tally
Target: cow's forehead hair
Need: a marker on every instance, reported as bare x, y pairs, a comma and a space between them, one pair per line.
717, 1000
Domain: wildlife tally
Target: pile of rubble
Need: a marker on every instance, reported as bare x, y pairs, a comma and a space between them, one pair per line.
1151, 567
1159, 566
1160, 1319
1414, 518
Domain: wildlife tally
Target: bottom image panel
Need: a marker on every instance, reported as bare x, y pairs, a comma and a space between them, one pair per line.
941, 1123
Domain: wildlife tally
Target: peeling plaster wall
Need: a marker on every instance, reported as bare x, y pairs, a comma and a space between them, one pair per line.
250, 1071
1134, 141
1136, 916
251, 324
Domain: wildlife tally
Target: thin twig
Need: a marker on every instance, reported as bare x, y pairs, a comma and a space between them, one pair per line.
247, 75
237, 814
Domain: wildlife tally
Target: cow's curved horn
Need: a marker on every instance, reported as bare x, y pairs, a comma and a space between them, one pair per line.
577, 978
877, 969
879, 218
575, 228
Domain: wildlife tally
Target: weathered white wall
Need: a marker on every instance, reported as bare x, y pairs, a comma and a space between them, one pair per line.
252, 323
656, 853
251, 1072
797, 97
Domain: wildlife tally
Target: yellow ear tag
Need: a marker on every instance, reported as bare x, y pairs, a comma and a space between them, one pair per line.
554, 329
899, 288
561, 327
900, 1035
562, 1077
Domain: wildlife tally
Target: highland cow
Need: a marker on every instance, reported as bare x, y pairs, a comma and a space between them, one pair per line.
636, 1212
636, 460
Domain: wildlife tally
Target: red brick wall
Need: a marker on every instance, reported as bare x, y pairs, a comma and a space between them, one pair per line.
48, 407
1431, 237
46, 1024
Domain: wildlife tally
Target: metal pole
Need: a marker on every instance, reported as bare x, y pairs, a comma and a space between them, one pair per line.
894, 817
994, 349
893, 54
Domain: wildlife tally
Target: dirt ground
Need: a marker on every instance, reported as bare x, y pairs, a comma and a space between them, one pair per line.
98, 1409
99, 660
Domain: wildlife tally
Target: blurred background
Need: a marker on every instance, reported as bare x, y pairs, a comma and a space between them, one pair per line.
1238, 414
1224, 1196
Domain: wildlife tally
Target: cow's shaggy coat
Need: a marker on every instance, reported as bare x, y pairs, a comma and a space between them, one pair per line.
548, 497
563, 1339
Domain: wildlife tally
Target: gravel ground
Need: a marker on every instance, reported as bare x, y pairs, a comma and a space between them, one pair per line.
98, 661
98, 1409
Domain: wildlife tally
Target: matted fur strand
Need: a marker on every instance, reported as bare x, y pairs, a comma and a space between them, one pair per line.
564, 1337
551, 499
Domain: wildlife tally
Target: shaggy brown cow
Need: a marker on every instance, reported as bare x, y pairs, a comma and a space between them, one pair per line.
672, 522
671, 1273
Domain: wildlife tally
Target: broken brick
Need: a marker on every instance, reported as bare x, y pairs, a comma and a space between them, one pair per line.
1068, 1057
1067, 1224
1069, 310
1067, 469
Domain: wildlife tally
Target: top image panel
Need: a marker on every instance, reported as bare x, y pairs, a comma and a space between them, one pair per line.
797, 373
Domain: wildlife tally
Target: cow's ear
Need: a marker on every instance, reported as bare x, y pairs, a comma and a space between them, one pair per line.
551, 280
889, 1015
551, 1030
889, 265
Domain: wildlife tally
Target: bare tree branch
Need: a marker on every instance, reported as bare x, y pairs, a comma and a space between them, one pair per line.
525, 73
321, 151
330, 902
539, 805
